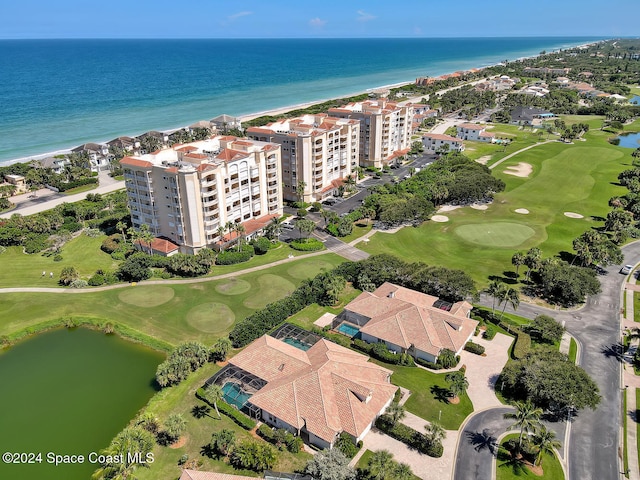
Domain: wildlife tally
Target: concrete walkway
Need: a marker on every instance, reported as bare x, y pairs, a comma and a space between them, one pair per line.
491, 167
631, 383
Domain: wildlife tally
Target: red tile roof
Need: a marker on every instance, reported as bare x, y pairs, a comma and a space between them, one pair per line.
134, 162
327, 389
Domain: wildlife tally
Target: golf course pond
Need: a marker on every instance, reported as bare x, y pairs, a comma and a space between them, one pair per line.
69, 392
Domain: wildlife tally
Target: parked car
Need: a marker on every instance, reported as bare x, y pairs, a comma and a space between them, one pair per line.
288, 226
626, 270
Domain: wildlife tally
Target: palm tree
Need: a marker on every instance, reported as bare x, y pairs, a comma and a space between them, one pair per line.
495, 290
213, 394
240, 230
458, 383
434, 432
545, 441
119, 465
220, 231
402, 472
274, 229
510, 296
121, 227
396, 412
532, 260
380, 464
146, 236
527, 419
517, 261
300, 190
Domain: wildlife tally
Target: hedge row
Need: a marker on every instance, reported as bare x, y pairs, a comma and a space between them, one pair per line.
231, 257
308, 245
380, 351
409, 436
522, 346
230, 411
63, 187
281, 438
474, 348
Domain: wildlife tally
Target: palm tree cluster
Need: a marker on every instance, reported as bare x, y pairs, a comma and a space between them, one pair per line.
503, 294
539, 439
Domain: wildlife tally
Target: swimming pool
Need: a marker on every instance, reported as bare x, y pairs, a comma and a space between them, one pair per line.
294, 342
234, 395
349, 330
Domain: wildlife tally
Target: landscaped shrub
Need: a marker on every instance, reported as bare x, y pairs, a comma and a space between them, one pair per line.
474, 348
307, 245
57, 258
35, 243
281, 438
409, 436
334, 337
522, 346
345, 444
489, 332
429, 365
184, 359
230, 411
253, 456
111, 243
447, 358
96, 280
79, 283
381, 352
233, 256
261, 245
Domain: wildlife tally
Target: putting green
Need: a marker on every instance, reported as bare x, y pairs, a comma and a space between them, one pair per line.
210, 317
308, 269
270, 288
149, 296
233, 286
495, 234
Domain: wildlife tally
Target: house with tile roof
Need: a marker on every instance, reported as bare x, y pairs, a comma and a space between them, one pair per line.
318, 393
435, 142
411, 322
475, 132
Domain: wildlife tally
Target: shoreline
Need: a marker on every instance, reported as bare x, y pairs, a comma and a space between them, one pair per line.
273, 111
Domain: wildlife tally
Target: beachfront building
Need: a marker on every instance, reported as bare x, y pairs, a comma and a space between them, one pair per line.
407, 321
313, 388
223, 123
152, 141
440, 143
97, 154
55, 164
385, 128
187, 192
124, 144
475, 132
318, 153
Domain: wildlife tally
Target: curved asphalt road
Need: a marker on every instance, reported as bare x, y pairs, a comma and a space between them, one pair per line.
594, 438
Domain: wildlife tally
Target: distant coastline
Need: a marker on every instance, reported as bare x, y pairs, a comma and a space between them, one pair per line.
435, 71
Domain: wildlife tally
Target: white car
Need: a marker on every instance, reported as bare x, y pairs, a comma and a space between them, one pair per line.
626, 270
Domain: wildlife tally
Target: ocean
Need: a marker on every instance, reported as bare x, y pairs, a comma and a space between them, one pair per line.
57, 94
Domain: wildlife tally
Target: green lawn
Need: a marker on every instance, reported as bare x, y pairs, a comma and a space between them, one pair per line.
428, 396
592, 167
508, 470
18, 269
310, 314
573, 351
359, 229
181, 399
636, 305
201, 311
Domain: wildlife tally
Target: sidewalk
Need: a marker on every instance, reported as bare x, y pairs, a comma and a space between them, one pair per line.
631, 383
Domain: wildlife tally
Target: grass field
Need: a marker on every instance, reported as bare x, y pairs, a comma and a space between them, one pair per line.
565, 178
428, 396
174, 313
509, 470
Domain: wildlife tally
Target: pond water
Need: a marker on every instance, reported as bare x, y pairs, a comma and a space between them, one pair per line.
635, 99
630, 140
69, 392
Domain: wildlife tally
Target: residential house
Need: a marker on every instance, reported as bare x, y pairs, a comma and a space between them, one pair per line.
317, 393
410, 322
98, 154
318, 153
152, 141
129, 145
187, 192
223, 123
475, 132
56, 164
435, 142
385, 128
530, 116
18, 181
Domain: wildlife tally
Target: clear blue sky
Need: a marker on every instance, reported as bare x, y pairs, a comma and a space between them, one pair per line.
323, 18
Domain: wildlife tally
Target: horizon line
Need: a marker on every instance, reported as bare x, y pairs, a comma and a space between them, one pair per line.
413, 37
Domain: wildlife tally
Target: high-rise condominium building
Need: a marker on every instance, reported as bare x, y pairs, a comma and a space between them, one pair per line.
187, 192
318, 152
385, 129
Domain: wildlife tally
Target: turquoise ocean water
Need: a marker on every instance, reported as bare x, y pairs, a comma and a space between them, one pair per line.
57, 94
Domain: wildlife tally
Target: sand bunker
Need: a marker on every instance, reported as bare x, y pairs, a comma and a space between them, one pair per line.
448, 208
440, 218
573, 215
521, 170
523, 211
484, 159
479, 206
